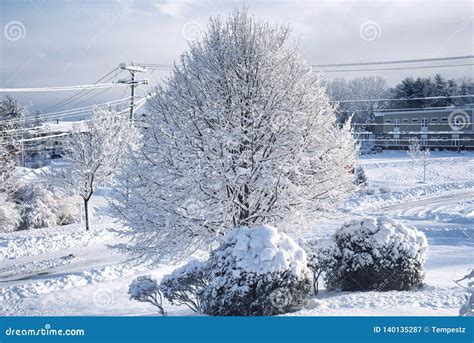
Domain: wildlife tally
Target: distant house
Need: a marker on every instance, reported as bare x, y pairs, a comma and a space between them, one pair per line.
48, 140
446, 128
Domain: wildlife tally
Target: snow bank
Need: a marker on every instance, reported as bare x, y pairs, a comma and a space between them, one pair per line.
18, 244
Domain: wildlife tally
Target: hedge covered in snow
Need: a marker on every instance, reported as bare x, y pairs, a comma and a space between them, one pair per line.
376, 254
256, 271
34, 206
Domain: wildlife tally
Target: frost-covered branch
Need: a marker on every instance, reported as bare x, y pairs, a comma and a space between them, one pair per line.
241, 134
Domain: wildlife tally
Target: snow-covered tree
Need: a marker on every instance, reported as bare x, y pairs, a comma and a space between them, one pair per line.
94, 152
11, 115
241, 134
362, 112
425, 159
414, 148
7, 167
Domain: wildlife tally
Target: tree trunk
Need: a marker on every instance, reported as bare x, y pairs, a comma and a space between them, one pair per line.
86, 213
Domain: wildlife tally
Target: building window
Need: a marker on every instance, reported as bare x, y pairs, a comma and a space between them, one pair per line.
414, 120
405, 121
396, 123
424, 122
434, 120
388, 121
444, 119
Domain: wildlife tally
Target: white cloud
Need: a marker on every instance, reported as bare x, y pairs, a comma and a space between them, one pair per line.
175, 9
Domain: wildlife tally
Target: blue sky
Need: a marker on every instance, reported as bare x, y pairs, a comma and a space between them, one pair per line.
77, 42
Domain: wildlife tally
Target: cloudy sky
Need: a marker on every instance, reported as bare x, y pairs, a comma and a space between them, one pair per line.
55, 43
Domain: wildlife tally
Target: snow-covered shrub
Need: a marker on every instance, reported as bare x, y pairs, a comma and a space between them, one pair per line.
9, 215
361, 178
377, 254
146, 289
468, 308
185, 285
256, 271
322, 256
41, 206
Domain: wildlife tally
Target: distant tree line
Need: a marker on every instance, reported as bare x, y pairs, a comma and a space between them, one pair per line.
370, 88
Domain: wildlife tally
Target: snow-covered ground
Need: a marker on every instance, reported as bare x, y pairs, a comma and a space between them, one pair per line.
68, 271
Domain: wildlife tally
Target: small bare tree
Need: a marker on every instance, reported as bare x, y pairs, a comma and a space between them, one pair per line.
424, 157
146, 289
414, 147
93, 154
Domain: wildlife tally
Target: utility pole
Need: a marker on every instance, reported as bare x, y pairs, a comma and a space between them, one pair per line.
133, 69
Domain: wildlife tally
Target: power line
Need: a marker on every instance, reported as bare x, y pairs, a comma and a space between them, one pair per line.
399, 68
92, 97
406, 99
169, 67
67, 113
389, 110
81, 93
139, 104
157, 66
393, 62
63, 88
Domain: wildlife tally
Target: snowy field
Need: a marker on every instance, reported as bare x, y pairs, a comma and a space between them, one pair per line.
67, 271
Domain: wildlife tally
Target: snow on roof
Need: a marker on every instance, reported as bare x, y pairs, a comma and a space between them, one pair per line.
448, 109
62, 126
